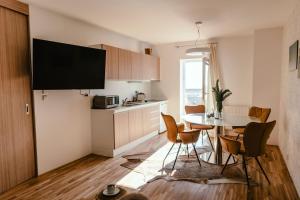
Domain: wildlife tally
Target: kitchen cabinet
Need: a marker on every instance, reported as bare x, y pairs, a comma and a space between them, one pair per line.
122, 64
136, 124
151, 121
112, 62
151, 67
121, 124
163, 109
137, 66
117, 130
125, 64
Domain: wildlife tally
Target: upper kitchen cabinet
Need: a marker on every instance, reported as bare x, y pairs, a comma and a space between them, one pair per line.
137, 66
112, 62
151, 67
125, 64
122, 64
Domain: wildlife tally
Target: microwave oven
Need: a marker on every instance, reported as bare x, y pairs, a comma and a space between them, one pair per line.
105, 102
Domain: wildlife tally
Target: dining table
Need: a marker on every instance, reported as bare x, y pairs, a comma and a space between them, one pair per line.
227, 120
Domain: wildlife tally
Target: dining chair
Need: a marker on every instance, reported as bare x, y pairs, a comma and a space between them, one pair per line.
261, 113
177, 134
255, 140
203, 128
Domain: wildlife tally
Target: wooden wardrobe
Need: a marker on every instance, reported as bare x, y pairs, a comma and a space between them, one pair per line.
17, 151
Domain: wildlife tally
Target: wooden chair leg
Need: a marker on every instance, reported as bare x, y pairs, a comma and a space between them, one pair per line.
262, 170
168, 154
226, 163
176, 156
245, 168
196, 154
210, 141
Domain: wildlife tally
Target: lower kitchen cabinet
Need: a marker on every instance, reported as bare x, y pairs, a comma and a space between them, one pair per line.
151, 120
121, 124
135, 124
115, 131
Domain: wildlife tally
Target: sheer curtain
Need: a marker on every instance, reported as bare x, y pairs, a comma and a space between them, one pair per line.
215, 74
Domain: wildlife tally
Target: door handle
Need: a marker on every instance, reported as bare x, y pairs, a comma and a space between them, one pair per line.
27, 109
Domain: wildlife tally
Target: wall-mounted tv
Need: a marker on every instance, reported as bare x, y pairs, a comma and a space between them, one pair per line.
59, 66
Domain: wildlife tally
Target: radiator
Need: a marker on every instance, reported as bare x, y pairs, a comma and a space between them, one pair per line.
236, 110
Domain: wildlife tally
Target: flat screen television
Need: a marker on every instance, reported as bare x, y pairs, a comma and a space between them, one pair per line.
59, 66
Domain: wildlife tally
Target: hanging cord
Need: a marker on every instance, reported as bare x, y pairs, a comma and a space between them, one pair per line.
198, 24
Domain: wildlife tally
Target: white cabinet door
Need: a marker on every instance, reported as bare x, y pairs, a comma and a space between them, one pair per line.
163, 109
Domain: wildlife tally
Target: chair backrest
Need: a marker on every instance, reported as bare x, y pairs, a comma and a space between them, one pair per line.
261, 113
256, 136
171, 126
194, 109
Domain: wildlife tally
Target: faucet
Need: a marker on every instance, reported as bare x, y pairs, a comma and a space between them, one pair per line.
124, 102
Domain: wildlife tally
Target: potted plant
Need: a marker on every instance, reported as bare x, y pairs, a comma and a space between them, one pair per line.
220, 96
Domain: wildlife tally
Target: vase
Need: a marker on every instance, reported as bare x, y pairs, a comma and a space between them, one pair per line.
218, 114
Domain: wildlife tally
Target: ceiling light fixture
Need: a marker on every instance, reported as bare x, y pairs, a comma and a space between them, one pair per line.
198, 51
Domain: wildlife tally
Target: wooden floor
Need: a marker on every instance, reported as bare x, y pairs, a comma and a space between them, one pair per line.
84, 178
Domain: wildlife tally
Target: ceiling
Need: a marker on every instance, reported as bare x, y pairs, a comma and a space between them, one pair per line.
166, 21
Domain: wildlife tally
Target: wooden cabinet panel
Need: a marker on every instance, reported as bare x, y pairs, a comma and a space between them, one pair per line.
112, 62
121, 124
151, 121
151, 67
156, 68
17, 157
124, 64
146, 67
135, 124
137, 66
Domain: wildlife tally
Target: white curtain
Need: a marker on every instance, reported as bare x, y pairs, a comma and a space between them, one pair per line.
215, 74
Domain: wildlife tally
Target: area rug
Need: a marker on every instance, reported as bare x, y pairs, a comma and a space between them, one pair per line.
150, 164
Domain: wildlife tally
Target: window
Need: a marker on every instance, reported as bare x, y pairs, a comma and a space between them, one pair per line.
194, 82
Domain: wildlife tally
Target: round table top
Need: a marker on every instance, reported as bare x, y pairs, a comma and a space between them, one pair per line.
227, 120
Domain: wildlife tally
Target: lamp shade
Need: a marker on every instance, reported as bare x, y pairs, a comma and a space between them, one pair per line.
199, 51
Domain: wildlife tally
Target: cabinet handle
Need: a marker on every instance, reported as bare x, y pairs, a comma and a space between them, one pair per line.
27, 108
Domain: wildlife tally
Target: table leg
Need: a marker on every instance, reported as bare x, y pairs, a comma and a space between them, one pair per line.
217, 157
218, 146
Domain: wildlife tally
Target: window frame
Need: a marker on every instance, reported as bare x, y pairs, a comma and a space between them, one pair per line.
183, 63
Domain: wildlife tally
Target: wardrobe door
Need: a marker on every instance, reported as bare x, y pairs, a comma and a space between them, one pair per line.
17, 157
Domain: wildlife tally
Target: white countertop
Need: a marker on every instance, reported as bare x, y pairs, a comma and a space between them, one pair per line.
126, 108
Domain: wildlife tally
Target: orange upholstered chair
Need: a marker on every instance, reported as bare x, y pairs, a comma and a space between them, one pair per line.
261, 113
178, 135
255, 140
203, 128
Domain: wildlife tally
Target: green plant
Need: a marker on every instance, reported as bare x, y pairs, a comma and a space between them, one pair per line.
220, 95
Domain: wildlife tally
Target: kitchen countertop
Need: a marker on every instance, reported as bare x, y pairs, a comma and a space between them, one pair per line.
126, 108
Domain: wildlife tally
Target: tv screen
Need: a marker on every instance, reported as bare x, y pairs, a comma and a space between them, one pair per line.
59, 66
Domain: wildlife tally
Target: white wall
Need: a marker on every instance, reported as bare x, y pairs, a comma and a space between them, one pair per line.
289, 127
63, 123
267, 72
235, 56
169, 85
235, 60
